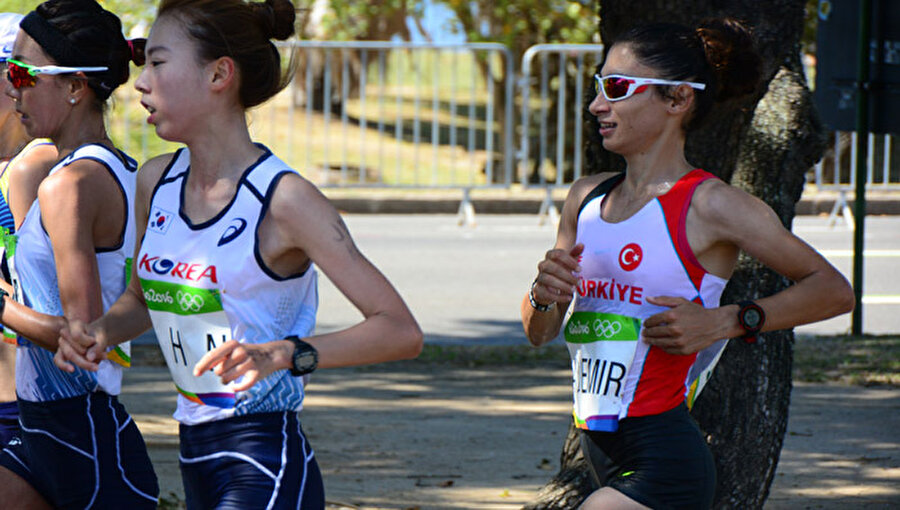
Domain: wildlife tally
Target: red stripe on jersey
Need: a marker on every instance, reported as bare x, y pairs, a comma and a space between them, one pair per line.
675, 205
655, 392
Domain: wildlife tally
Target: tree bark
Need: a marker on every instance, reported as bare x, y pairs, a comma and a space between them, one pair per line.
764, 145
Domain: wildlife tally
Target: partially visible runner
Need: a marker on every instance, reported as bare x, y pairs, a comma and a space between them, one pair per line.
22, 166
226, 269
646, 254
13, 153
79, 448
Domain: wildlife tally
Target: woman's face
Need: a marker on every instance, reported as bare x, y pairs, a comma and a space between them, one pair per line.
172, 81
44, 107
632, 124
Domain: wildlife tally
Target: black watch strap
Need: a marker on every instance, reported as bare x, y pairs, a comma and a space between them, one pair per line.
3, 295
305, 358
534, 304
751, 317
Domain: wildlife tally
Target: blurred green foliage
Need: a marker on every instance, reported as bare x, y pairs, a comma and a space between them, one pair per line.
133, 13
521, 23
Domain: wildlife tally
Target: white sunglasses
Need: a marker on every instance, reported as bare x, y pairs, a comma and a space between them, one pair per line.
21, 74
616, 87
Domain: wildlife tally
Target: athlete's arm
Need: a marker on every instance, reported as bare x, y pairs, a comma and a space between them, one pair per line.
556, 280
69, 214
727, 214
301, 224
84, 344
25, 175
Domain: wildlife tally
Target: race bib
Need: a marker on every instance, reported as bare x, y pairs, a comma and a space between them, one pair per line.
602, 347
9, 251
189, 322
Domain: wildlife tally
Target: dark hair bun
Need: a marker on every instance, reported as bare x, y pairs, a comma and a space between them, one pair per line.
138, 48
732, 56
276, 17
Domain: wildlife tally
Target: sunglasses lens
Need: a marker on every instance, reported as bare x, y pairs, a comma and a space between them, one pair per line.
616, 88
19, 76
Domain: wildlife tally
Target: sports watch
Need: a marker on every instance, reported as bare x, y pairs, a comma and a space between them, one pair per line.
751, 317
305, 358
534, 304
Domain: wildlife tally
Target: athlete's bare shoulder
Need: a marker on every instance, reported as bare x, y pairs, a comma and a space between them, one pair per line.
580, 188
36, 159
151, 171
295, 196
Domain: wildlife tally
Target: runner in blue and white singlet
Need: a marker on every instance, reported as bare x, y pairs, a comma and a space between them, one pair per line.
226, 271
68, 260
33, 271
75, 418
205, 284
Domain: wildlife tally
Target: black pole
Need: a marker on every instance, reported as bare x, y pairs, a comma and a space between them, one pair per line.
862, 147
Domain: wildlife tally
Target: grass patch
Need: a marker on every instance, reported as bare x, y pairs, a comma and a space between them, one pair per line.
481, 355
865, 361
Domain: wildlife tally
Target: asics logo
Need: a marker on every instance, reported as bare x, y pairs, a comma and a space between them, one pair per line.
189, 302
605, 328
237, 226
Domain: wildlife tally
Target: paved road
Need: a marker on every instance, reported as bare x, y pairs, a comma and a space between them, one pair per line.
465, 284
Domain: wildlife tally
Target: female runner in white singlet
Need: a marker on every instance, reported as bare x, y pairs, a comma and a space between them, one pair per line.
78, 446
232, 237
646, 255
23, 165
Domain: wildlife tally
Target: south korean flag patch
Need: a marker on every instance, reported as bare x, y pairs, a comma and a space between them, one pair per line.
159, 221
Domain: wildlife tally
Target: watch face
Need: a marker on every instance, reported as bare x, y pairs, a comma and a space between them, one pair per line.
305, 361
751, 317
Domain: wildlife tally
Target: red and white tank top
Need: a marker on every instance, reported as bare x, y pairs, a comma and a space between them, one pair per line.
615, 373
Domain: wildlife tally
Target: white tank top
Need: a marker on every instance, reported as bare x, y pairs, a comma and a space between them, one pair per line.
615, 373
207, 283
33, 270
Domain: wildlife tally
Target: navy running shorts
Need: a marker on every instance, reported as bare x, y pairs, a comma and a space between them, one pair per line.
9, 422
660, 461
83, 452
253, 461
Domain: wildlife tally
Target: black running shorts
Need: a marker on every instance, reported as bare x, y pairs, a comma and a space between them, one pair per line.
661, 461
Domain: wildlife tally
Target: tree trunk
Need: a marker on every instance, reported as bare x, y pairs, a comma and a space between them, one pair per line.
763, 145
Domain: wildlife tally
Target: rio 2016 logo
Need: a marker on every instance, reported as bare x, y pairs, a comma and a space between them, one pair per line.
630, 257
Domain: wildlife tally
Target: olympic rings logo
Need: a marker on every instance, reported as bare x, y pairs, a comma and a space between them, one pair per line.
606, 328
189, 302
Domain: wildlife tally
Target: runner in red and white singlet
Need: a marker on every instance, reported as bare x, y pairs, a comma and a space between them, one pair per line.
645, 254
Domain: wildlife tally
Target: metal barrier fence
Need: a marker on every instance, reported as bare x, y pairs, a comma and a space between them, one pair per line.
376, 114
399, 115
837, 170
571, 63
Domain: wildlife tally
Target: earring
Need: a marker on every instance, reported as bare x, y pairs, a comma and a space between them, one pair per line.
71, 100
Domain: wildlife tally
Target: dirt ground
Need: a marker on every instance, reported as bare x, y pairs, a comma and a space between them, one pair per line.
414, 435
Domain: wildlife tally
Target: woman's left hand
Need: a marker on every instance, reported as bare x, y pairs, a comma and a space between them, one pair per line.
233, 360
685, 328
